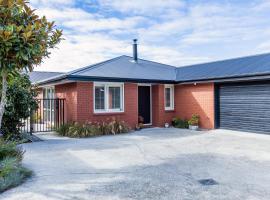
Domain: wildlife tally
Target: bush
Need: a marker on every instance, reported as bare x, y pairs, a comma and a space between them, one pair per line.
194, 121
20, 101
179, 123
10, 149
76, 130
11, 171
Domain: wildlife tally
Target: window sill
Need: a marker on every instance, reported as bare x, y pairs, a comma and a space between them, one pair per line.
169, 110
109, 113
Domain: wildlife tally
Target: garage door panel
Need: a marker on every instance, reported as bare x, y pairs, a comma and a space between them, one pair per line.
245, 107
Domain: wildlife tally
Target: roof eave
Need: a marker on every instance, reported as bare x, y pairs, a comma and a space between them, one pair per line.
50, 80
116, 79
263, 76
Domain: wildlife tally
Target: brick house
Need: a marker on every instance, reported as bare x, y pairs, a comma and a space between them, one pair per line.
226, 94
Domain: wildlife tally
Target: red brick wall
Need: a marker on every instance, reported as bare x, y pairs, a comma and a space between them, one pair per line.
39, 93
189, 99
68, 91
196, 99
80, 107
159, 115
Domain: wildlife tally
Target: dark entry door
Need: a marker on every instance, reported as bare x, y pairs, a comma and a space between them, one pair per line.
144, 101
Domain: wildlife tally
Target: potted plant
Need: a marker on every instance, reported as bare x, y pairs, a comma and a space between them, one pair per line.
194, 122
140, 124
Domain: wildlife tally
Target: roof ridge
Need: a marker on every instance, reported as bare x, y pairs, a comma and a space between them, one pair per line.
229, 59
93, 65
153, 62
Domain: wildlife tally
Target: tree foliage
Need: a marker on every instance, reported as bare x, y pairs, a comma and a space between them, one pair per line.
25, 39
20, 101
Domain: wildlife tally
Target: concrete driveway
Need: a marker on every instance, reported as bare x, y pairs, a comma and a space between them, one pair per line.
150, 164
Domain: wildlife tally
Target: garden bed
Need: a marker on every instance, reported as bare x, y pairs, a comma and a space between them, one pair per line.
109, 127
12, 173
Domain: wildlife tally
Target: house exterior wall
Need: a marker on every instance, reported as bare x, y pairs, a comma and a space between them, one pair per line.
39, 93
68, 91
188, 100
196, 99
160, 116
80, 107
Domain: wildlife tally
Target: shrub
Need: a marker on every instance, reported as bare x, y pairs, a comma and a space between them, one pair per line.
194, 121
10, 149
179, 123
20, 101
63, 129
12, 173
76, 130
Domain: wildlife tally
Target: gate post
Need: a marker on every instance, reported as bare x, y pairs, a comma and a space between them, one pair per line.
31, 122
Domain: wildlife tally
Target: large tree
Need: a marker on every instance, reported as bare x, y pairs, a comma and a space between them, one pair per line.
25, 39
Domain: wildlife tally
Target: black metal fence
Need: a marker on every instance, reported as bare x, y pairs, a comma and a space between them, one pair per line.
49, 115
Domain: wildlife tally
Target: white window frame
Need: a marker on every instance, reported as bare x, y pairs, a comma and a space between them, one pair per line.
106, 86
50, 110
46, 91
171, 87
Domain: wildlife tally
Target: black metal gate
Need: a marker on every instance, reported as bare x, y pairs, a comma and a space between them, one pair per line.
49, 115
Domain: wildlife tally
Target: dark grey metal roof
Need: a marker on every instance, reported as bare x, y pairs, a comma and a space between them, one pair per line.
237, 67
38, 76
123, 68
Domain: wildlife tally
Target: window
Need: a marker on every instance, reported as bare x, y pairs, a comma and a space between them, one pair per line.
169, 97
48, 104
109, 97
48, 93
99, 97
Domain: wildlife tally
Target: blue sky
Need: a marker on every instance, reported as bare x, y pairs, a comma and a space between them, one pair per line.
175, 32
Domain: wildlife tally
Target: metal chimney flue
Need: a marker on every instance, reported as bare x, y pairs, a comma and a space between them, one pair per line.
135, 50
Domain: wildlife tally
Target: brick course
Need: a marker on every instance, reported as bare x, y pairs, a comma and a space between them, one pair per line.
160, 115
189, 99
79, 103
69, 92
196, 99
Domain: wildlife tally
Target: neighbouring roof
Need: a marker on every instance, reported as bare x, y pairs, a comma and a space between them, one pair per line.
38, 76
123, 68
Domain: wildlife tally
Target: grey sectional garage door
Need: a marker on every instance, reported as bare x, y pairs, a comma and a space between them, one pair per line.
245, 107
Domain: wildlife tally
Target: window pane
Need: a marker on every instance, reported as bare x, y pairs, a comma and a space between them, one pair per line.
99, 98
114, 97
168, 97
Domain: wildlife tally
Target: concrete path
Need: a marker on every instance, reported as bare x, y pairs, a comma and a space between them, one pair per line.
150, 164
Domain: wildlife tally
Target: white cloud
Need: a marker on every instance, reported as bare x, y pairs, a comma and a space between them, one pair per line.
100, 24
171, 32
64, 14
142, 6
52, 3
78, 51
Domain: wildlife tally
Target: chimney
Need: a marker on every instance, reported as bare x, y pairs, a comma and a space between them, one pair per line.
135, 50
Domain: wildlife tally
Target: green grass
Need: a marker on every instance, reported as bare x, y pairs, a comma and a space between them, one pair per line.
12, 173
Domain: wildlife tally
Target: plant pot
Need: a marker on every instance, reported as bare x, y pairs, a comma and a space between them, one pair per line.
193, 127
